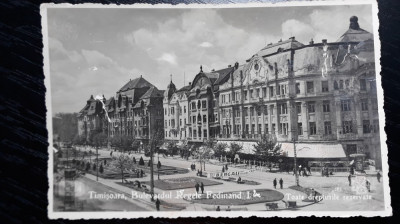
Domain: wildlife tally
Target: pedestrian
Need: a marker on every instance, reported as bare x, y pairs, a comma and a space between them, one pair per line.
197, 186
281, 183
378, 176
275, 182
223, 169
202, 187
368, 185
315, 197
141, 173
158, 204
228, 209
349, 178
218, 209
226, 167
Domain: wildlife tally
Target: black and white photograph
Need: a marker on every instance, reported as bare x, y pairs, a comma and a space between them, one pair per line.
215, 110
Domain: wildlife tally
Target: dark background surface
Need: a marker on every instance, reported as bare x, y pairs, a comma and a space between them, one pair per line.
23, 142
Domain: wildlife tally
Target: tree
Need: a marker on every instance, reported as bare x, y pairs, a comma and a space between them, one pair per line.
156, 139
65, 125
220, 149
121, 163
235, 148
171, 147
267, 148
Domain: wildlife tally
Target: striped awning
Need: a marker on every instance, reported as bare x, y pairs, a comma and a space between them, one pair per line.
314, 150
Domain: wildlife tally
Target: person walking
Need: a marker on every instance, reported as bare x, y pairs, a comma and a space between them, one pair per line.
158, 204
349, 178
378, 176
226, 167
281, 183
223, 169
197, 186
218, 209
275, 182
202, 187
368, 185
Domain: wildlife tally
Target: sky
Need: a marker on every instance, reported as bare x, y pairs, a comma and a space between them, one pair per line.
95, 51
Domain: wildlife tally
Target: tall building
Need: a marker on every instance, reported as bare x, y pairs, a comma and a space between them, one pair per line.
322, 95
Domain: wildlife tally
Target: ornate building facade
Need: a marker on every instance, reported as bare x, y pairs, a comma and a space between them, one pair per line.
135, 111
316, 93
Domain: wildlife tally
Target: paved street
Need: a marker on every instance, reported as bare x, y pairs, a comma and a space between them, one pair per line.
336, 187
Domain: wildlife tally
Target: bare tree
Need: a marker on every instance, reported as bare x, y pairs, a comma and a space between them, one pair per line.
122, 162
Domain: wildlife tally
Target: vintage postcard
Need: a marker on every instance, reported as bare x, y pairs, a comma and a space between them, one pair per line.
215, 110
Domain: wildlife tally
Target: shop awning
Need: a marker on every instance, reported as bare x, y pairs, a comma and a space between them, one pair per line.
311, 150
248, 147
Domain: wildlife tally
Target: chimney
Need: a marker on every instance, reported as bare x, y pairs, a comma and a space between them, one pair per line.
292, 38
190, 83
236, 65
269, 44
280, 40
324, 41
229, 66
311, 41
213, 70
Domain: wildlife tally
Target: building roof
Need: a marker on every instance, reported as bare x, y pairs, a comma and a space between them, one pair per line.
152, 93
222, 74
136, 84
355, 33
185, 88
291, 43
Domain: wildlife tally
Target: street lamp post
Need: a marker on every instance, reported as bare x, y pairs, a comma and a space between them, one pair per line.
158, 165
97, 163
295, 162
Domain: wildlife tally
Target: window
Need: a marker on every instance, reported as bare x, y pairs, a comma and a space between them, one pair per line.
251, 94
347, 127
253, 127
205, 133
245, 95
271, 91
366, 127
184, 121
340, 84
216, 117
283, 128
265, 108
335, 85
325, 87
364, 104
376, 126
345, 105
272, 109
264, 92
298, 107
326, 106
258, 93
372, 85
194, 133
297, 88
204, 118
194, 119
313, 128
165, 123
180, 122
327, 128
259, 129
282, 108
363, 84
184, 109
273, 129
204, 104
251, 111
311, 107
266, 129
310, 87
237, 96
283, 89
245, 111
300, 128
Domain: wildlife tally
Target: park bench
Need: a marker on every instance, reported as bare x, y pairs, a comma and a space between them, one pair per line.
272, 206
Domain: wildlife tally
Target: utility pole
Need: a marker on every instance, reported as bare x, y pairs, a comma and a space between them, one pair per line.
295, 162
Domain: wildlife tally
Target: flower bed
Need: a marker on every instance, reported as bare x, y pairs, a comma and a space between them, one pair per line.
181, 183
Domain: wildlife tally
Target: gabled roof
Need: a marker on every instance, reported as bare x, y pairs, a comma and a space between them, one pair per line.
135, 84
185, 88
222, 74
153, 92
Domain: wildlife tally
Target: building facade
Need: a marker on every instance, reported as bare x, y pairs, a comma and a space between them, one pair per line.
312, 93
